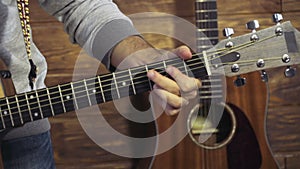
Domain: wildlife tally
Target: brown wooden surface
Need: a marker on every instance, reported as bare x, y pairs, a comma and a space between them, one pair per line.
73, 148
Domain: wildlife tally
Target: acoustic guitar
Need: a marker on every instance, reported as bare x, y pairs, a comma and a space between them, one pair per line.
206, 16
276, 46
225, 151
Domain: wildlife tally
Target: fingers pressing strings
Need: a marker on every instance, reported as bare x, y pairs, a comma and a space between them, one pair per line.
173, 94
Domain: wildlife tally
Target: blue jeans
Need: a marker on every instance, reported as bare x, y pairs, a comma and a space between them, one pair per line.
33, 152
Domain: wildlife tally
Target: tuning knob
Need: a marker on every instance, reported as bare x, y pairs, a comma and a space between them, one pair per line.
290, 72
277, 18
240, 81
228, 32
264, 76
252, 25
5, 74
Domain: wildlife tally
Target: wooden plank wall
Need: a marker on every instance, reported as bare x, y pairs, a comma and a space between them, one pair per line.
73, 148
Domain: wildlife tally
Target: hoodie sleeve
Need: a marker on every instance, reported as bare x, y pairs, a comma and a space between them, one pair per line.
96, 25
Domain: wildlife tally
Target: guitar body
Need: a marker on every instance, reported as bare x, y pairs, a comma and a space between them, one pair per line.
283, 116
187, 154
252, 99
243, 151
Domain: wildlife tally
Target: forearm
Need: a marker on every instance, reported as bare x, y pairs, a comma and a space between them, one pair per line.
133, 46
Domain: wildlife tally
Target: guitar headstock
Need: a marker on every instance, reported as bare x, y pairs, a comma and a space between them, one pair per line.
273, 47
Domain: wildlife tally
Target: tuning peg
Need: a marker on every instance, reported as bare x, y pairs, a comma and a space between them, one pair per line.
228, 32
5, 74
240, 81
290, 72
277, 18
264, 76
252, 25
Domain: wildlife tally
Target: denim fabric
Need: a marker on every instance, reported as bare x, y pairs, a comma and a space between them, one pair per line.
32, 152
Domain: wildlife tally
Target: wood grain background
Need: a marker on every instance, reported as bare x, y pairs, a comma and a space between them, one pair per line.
73, 149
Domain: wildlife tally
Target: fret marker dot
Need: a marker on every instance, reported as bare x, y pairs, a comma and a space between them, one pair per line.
31, 97
94, 90
68, 97
123, 83
36, 114
5, 113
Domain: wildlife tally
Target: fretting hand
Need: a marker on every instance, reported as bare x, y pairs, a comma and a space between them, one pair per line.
170, 94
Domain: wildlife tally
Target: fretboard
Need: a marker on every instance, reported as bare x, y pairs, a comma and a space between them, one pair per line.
207, 23
34, 105
206, 17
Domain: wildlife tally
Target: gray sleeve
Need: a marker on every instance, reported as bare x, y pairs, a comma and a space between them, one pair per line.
96, 25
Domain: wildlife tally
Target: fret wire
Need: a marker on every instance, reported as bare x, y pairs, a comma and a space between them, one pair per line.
185, 68
133, 87
50, 102
146, 67
74, 96
9, 111
100, 84
201, 1
28, 105
206, 10
62, 99
165, 66
114, 78
207, 29
206, 21
19, 110
87, 92
2, 119
207, 38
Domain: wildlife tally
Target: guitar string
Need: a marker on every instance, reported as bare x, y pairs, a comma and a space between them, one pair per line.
77, 87
109, 80
42, 101
85, 90
160, 63
201, 5
40, 108
32, 108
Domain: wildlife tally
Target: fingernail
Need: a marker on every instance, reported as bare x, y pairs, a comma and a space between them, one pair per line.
150, 74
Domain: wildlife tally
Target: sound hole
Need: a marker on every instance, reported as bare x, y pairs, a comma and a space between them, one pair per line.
212, 127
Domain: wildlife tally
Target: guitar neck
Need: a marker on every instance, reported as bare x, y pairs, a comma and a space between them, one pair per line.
207, 23
34, 105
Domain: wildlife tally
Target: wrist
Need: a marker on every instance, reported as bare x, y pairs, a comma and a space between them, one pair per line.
126, 47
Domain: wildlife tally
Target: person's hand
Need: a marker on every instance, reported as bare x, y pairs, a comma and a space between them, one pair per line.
174, 93
170, 94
